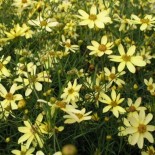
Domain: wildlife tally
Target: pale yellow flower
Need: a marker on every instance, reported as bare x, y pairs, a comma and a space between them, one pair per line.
75, 115
4, 72
31, 79
23, 151
146, 23
113, 103
138, 129
68, 46
127, 59
10, 98
71, 93
150, 151
150, 85
43, 23
134, 107
93, 19
112, 76
31, 132
99, 49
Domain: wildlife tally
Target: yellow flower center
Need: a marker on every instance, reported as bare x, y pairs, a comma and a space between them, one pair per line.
43, 23
112, 76
1, 65
22, 153
79, 115
92, 17
32, 78
67, 44
113, 103
142, 128
146, 21
9, 96
71, 91
151, 152
150, 87
24, 1
126, 58
102, 48
132, 108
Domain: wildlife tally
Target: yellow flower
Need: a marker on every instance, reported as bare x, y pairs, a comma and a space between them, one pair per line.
23, 151
134, 107
150, 151
43, 23
93, 19
112, 103
10, 98
127, 59
112, 76
31, 132
100, 49
75, 115
3, 70
138, 128
68, 46
146, 23
150, 85
71, 93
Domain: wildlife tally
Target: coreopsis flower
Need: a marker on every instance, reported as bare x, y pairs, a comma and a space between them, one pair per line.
68, 46
150, 151
23, 150
99, 49
17, 31
112, 76
146, 54
22, 4
146, 23
31, 132
71, 93
113, 103
127, 59
75, 115
150, 85
31, 80
43, 23
93, 19
138, 129
10, 98
134, 107
4, 72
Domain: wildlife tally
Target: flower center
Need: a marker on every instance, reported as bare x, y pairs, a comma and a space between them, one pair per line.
67, 44
92, 17
151, 152
126, 58
1, 65
113, 103
102, 48
142, 128
32, 78
146, 21
43, 23
71, 91
22, 153
132, 108
112, 76
24, 1
79, 115
150, 87
9, 96
61, 104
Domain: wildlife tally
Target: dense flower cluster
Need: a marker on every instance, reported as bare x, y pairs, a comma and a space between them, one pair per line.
77, 72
